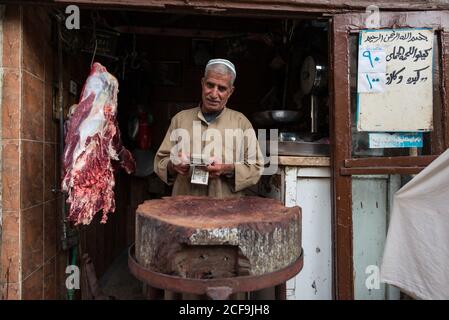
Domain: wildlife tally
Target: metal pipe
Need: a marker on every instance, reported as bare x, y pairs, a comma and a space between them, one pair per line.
280, 291
284, 95
313, 114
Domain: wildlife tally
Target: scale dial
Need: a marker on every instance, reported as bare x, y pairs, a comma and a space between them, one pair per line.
311, 75
308, 74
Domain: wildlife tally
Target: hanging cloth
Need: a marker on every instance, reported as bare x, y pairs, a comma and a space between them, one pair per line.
416, 254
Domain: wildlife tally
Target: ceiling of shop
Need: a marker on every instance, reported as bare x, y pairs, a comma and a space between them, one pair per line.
115, 18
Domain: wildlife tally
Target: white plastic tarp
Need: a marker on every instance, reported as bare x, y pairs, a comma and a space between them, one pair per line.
416, 254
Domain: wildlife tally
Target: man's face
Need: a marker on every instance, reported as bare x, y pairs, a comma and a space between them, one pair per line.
217, 89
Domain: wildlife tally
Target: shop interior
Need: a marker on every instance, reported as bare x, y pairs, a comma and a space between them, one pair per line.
159, 60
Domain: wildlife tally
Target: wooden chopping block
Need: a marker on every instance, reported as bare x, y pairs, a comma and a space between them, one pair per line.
205, 238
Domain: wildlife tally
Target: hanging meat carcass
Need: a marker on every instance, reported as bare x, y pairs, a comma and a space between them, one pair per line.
93, 149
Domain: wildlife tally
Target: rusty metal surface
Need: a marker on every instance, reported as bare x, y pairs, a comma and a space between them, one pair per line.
216, 288
280, 291
153, 293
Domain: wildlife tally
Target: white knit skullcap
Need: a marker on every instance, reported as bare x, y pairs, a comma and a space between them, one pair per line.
227, 63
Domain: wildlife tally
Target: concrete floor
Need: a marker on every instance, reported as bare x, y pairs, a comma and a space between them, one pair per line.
119, 282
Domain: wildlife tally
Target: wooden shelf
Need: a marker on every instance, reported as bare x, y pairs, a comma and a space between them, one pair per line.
304, 161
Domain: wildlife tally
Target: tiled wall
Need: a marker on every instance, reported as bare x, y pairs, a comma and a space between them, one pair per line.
32, 260
33, 263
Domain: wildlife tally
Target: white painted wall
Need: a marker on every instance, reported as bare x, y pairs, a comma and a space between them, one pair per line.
309, 188
371, 203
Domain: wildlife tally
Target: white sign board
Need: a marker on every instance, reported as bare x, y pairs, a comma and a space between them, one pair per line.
394, 81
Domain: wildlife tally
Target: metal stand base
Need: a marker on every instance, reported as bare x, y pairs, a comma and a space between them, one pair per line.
215, 289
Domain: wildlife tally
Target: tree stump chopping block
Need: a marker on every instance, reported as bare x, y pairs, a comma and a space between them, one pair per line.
210, 238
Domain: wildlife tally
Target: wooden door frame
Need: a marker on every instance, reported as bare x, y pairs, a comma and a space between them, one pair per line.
258, 6
343, 166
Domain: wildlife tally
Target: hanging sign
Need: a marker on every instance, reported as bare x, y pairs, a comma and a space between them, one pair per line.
394, 81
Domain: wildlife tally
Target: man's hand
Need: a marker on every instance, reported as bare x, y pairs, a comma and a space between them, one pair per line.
179, 165
216, 168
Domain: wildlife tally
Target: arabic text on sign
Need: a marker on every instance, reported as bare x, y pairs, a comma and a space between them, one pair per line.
401, 53
395, 36
396, 77
402, 99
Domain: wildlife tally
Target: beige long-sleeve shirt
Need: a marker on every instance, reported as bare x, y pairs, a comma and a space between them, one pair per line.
197, 136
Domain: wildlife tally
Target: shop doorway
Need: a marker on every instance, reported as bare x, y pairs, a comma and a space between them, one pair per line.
159, 59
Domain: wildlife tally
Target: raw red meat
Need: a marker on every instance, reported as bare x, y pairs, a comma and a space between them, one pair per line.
92, 145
